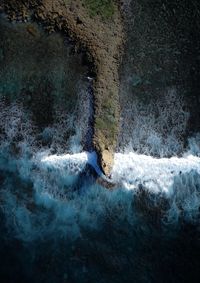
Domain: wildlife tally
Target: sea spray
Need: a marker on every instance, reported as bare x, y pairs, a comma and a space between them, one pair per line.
48, 195
155, 174
56, 223
155, 126
56, 216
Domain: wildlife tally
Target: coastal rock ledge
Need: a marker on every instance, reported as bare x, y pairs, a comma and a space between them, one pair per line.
101, 35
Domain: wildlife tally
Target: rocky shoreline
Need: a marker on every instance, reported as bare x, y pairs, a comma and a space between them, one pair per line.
102, 39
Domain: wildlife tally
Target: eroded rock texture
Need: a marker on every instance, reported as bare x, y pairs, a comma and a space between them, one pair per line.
102, 38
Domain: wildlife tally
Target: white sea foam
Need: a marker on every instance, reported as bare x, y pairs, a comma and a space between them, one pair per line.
155, 174
131, 170
62, 186
71, 163
154, 128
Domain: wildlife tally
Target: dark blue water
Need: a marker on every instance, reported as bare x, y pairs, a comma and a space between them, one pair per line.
57, 224
58, 227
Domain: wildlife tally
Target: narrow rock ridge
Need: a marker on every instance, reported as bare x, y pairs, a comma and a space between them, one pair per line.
103, 39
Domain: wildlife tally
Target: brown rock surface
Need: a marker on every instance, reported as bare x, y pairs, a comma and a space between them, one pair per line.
103, 39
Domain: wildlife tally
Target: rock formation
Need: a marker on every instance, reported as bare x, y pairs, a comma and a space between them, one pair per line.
102, 37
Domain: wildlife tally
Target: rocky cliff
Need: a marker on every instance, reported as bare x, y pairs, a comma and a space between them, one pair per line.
100, 33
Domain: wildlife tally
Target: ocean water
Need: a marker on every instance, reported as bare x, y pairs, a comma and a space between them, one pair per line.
58, 223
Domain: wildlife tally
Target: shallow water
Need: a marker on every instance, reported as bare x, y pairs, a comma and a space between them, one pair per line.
58, 224
159, 89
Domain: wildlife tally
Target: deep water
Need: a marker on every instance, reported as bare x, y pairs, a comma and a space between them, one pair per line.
57, 223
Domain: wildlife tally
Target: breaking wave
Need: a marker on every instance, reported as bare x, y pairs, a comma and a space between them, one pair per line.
50, 196
156, 126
